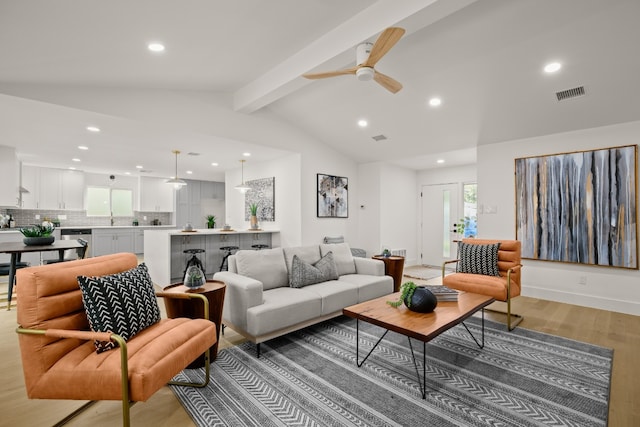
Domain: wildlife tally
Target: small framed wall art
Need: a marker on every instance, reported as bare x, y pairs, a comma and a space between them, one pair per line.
333, 196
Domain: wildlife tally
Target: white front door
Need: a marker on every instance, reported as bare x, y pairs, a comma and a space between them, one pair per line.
440, 211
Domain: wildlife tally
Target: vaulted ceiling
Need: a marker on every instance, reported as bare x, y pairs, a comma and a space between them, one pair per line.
483, 59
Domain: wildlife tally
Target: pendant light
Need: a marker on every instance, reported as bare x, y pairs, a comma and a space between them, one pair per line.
177, 182
243, 188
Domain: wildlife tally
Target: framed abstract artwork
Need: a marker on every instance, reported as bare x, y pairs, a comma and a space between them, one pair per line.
333, 196
579, 207
262, 193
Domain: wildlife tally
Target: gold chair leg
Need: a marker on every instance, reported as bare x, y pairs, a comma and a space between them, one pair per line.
513, 319
207, 374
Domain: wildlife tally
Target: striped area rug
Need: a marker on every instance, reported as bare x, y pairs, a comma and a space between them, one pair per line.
310, 378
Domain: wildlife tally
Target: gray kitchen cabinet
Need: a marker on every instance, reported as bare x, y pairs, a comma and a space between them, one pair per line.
106, 241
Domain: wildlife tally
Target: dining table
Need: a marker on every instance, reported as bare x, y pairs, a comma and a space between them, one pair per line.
15, 249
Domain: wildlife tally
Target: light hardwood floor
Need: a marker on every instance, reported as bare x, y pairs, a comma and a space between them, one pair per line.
608, 329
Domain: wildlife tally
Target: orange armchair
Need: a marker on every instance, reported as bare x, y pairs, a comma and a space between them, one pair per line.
502, 288
59, 357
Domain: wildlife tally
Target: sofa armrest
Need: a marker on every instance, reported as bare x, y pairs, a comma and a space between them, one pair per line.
372, 267
241, 294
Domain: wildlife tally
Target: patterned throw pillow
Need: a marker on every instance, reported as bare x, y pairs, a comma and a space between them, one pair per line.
303, 273
122, 303
478, 259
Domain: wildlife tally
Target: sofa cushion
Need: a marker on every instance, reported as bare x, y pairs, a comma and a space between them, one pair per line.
341, 255
303, 273
283, 307
335, 295
122, 303
308, 254
369, 287
478, 259
267, 266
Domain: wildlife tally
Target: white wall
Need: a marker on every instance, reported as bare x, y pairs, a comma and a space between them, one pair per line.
369, 215
286, 172
398, 210
606, 288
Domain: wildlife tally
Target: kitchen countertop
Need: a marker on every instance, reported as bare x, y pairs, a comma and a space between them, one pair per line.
94, 227
179, 232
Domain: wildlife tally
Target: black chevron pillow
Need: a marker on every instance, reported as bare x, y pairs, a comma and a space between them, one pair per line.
122, 303
478, 259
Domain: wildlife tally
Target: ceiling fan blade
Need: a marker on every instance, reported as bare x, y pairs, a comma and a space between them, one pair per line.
385, 42
331, 73
387, 82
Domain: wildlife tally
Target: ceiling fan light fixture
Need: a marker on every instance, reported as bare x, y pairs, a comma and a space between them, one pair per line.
242, 187
365, 74
175, 181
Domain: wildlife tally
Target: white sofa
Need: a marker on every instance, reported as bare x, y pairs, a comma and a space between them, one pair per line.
260, 304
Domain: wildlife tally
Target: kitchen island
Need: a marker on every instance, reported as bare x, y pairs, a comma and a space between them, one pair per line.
165, 257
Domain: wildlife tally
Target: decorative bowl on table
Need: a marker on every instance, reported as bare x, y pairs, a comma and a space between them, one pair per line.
38, 234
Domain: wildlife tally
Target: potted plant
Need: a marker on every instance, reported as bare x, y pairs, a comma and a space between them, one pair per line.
253, 210
38, 234
211, 221
416, 298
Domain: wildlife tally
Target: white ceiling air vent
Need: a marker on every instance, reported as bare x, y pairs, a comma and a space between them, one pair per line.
145, 171
379, 138
570, 93
191, 153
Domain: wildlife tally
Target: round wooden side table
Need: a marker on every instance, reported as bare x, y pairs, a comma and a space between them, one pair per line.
214, 291
394, 267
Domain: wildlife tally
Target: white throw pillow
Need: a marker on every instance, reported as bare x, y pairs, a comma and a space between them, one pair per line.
267, 266
342, 256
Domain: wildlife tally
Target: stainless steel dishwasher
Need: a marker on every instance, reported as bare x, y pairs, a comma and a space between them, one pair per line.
75, 234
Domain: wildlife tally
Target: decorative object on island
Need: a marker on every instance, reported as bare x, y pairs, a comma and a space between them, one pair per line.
579, 207
333, 200
262, 194
177, 182
242, 187
253, 210
416, 298
38, 234
211, 221
194, 277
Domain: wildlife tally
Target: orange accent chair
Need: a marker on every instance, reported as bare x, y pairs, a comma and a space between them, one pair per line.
59, 357
502, 288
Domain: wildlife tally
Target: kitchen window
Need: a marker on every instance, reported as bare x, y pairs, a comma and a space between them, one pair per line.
106, 201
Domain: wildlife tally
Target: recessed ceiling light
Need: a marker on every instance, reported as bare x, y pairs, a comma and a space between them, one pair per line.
155, 47
362, 123
127, 173
93, 129
434, 102
189, 172
72, 168
552, 67
214, 164
246, 154
75, 160
82, 147
139, 167
440, 161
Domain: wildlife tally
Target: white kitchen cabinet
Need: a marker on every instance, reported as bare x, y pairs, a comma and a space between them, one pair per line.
155, 195
138, 241
52, 188
8, 177
106, 241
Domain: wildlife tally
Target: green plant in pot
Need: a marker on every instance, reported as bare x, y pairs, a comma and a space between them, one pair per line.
253, 210
211, 221
38, 234
416, 298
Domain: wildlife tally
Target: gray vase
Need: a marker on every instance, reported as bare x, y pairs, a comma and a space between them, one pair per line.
39, 241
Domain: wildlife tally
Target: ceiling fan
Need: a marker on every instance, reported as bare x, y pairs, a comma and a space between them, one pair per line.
367, 55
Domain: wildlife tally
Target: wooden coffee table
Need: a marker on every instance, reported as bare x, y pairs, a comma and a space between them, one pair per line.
420, 326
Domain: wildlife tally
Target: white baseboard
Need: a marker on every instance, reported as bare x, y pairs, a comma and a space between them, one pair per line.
592, 301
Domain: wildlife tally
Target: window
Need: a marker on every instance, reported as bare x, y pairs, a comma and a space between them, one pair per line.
105, 201
470, 209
